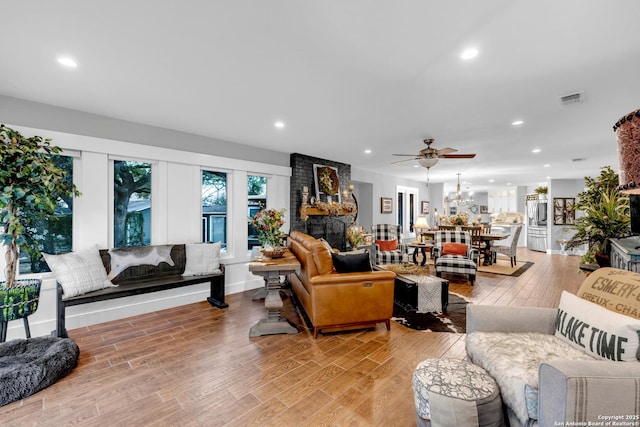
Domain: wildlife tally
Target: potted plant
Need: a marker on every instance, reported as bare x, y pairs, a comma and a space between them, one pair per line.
606, 216
30, 185
542, 191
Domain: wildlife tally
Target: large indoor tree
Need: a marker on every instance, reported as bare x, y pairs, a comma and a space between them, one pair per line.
31, 183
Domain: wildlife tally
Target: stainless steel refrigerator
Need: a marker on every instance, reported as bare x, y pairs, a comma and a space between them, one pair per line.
536, 222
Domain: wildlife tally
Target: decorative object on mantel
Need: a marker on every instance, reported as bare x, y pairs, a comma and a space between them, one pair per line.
268, 222
323, 208
327, 182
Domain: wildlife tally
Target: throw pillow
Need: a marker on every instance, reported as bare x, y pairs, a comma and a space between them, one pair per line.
326, 244
202, 258
345, 262
451, 248
616, 290
79, 272
596, 330
123, 258
387, 245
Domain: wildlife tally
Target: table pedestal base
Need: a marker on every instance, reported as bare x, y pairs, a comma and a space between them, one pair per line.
267, 327
274, 323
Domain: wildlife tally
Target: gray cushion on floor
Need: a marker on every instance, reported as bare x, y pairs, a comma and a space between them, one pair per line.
32, 364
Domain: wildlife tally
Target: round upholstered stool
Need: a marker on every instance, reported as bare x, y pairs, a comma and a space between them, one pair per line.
451, 392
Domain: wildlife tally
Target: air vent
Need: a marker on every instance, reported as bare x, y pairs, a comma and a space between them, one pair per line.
579, 159
573, 98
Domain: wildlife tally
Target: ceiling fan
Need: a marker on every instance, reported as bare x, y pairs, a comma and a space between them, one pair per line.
428, 157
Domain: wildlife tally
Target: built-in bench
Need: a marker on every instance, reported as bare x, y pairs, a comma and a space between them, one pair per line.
142, 279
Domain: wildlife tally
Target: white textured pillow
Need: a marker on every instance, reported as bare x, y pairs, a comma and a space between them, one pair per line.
596, 330
202, 258
123, 258
79, 272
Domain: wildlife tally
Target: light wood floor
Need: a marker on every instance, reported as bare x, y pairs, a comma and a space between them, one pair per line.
196, 365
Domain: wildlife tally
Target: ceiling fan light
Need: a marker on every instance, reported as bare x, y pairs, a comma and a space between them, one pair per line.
427, 162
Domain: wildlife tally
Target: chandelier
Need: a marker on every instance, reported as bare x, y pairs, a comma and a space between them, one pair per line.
459, 198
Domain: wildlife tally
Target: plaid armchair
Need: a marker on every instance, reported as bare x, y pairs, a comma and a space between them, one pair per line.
389, 232
460, 264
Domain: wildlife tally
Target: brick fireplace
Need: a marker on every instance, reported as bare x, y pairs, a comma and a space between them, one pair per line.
333, 228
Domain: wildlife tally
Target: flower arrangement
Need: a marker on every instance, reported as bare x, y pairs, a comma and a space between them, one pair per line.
459, 219
268, 222
355, 236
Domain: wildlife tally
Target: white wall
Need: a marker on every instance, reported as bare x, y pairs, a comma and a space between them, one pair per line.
176, 214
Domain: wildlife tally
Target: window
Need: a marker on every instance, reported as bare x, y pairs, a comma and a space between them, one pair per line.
214, 207
257, 200
132, 203
51, 234
407, 208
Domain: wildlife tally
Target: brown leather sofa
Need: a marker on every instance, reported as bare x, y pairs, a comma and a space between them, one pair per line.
338, 301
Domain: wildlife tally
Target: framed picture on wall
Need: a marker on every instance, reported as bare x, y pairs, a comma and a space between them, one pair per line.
386, 205
484, 209
564, 210
424, 208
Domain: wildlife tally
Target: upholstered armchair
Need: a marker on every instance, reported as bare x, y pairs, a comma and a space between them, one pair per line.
453, 252
389, 248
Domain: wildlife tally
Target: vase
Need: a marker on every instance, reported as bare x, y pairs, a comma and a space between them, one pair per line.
19, 301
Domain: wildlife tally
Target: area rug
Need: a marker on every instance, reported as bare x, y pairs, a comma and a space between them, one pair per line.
503, 266
29, 365
454, 320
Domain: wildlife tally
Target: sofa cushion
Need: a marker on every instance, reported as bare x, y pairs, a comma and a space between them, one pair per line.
596, 330
387, 245
614, 290
347, 262
513, 359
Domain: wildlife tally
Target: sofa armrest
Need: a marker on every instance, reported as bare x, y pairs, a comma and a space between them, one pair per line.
572, 390
489, 318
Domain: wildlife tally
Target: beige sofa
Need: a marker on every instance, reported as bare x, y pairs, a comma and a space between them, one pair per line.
556, 366
338, 301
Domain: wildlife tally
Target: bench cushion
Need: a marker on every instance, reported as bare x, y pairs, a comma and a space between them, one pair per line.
79, 272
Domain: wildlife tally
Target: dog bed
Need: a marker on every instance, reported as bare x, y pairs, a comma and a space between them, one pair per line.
30, 365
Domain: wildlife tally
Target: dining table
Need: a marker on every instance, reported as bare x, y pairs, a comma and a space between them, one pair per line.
486, 238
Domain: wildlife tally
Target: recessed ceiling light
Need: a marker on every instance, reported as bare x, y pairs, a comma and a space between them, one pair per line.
492, 180
547, 177
517, 123
279, 125
469, 53
508, 183
367, 151
416, 166
547, 165
536, 150
67, 62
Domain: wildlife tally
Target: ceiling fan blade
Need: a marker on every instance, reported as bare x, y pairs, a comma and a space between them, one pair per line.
412, 155
405, 160
457, 156
446, 150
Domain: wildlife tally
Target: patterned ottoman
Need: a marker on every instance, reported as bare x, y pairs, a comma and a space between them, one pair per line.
451, 392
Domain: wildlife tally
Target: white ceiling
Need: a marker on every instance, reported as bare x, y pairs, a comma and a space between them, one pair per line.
345, 76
